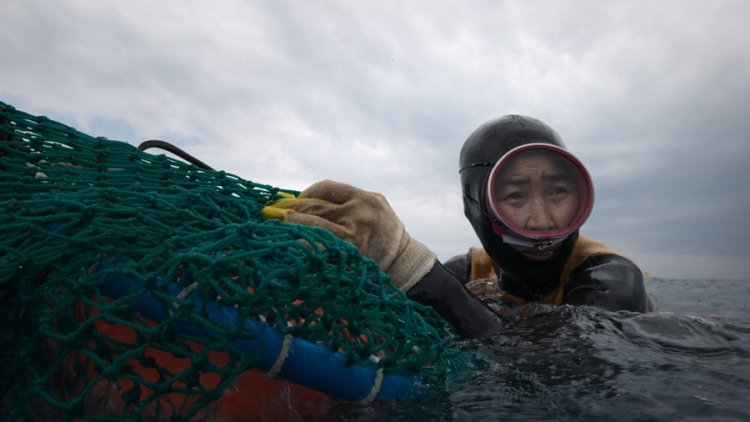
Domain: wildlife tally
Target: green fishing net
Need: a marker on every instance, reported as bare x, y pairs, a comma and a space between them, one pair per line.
79, 213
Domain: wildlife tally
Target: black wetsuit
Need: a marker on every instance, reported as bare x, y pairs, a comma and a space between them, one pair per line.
606, 280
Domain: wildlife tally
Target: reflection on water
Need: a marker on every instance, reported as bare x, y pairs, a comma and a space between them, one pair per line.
691, 359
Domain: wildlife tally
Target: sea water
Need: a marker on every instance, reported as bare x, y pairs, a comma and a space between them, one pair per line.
690, 360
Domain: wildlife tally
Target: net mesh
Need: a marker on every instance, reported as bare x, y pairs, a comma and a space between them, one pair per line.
77, 212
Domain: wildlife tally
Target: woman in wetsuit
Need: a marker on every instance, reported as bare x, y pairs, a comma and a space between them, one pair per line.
526, 197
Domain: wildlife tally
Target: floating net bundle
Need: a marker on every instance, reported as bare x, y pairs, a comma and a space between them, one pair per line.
112, 258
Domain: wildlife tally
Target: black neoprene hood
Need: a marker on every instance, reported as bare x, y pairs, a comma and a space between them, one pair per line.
480, 152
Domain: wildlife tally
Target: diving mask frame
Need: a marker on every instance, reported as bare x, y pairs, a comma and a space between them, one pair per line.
515, 235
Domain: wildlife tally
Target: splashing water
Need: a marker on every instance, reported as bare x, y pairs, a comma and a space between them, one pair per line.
691, 359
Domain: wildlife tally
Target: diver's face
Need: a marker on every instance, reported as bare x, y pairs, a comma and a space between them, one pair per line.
535, 191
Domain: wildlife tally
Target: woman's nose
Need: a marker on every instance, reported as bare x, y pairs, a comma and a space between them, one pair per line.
539, 217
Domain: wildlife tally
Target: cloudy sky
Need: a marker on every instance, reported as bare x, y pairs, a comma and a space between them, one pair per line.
653, 96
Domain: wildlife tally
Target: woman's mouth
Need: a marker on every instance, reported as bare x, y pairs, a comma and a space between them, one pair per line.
536, 255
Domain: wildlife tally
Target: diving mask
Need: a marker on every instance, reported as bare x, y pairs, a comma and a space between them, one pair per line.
538, 194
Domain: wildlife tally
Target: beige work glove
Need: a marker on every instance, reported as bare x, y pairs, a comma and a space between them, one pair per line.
364, 219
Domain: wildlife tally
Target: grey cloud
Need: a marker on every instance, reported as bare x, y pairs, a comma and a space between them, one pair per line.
651, 95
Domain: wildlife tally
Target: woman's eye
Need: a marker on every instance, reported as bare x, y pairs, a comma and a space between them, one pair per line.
513, 197
560, 192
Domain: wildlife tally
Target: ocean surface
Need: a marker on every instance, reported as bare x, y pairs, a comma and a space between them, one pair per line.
690, 360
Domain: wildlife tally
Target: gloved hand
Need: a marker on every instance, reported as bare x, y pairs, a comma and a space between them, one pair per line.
364, 219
